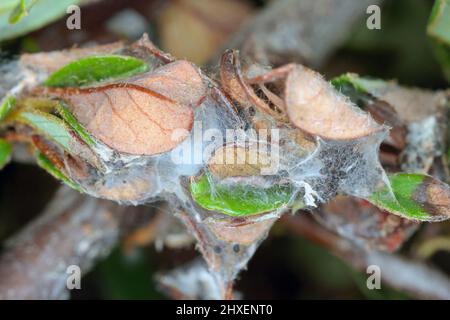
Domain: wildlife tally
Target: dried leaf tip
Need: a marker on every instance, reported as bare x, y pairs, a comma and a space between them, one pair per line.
415, 196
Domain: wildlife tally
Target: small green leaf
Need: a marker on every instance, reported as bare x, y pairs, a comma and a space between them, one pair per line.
439, 31
239, 200
47, 165
94, 69
6, 150
347, 87
48, 125
73, 122
360, 90
47, 107
362, 84
414, 196
7, 105
74, 140
21, 10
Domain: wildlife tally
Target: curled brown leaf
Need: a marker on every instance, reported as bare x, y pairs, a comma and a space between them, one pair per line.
315, 107
384, 113
235, 85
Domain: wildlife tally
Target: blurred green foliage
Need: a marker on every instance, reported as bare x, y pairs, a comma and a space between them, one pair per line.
124, 277
400, 50
439, 31
18, 17
5, 152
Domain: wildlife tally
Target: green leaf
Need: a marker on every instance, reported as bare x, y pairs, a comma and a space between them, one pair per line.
361, 84
414, 196
38, 112
65, 113
47, 165
34, 15
439, 31
239, 200
7, 105
6, 150
360, 90
21, 10
347, 85
94, 69
401, 49
49, 126
66, 132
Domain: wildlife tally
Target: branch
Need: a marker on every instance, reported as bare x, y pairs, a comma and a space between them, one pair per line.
416, 278
73, 230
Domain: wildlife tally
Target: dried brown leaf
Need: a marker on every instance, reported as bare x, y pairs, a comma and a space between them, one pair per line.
233, 161
384, 113
315, 107
240, 230
143, 115
235, 85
